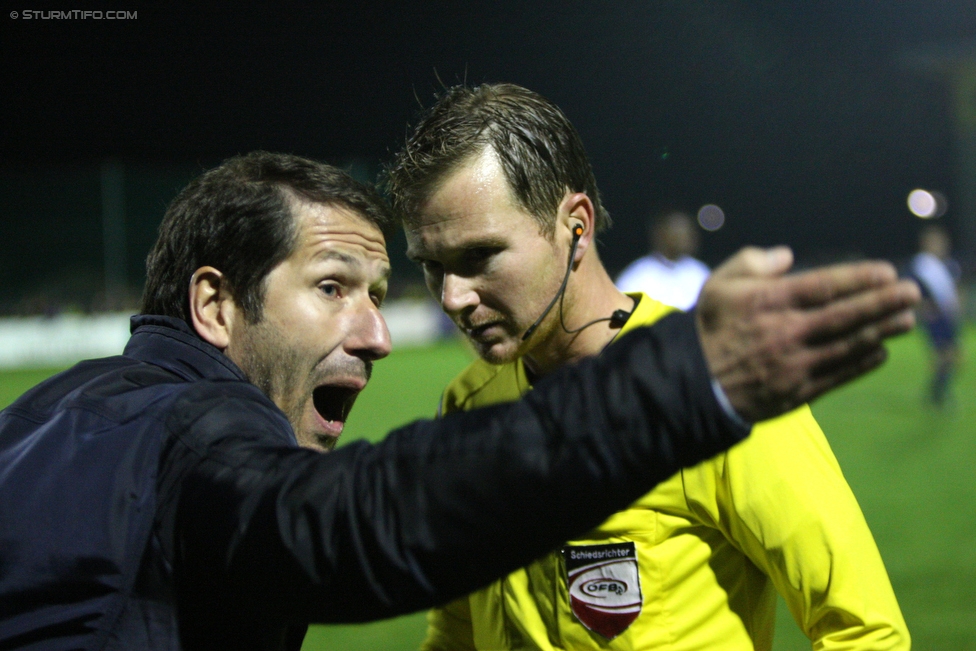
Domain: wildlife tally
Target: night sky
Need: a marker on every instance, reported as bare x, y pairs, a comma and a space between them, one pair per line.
799, 118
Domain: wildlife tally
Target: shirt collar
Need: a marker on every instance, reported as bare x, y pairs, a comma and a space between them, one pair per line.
171, 344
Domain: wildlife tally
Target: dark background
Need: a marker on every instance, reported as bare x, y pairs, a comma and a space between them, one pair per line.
800, 119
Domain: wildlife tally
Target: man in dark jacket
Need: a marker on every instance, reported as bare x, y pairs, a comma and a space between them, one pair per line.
176, 497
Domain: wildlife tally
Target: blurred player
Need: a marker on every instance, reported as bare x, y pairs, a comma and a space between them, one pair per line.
669, 273
937, 274
501, 210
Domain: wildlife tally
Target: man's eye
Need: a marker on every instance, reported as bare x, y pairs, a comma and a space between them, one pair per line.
331, 290
479, 256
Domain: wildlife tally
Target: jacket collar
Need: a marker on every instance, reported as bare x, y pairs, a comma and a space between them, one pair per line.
173, 345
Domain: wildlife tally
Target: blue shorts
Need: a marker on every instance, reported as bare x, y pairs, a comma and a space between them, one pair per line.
941, 330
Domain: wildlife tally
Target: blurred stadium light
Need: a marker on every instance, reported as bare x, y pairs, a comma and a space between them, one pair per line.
927, 204
711, 217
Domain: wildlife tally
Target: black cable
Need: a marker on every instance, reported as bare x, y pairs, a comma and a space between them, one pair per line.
562, 288
617, 319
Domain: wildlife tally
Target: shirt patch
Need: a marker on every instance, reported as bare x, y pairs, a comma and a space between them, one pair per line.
604, 586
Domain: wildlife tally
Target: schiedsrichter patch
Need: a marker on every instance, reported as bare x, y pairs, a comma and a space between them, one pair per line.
604, 586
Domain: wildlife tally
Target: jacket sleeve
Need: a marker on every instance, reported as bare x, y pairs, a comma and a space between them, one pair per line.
785, 503
438, 508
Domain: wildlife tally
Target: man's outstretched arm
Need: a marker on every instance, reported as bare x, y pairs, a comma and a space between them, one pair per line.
775, 341
439, 508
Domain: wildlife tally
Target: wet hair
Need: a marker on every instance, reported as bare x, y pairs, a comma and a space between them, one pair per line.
540, 152
239, 218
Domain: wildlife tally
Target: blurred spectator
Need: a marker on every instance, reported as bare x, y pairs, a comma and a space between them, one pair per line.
668, 273
937, 274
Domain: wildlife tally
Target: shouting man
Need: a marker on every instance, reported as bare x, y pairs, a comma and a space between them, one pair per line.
176, 496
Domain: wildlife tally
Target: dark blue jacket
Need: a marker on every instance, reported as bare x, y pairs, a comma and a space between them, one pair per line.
157, 500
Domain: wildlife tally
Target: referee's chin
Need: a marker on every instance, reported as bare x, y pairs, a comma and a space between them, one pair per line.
500, 350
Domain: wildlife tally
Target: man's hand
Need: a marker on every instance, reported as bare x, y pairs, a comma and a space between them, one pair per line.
775, 341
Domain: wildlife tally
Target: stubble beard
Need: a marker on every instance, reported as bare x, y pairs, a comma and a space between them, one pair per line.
276, 370
289, 378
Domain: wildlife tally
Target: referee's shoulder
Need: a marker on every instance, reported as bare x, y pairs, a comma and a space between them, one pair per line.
482, 383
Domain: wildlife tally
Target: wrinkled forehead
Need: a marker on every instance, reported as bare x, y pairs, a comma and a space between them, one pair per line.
320, 227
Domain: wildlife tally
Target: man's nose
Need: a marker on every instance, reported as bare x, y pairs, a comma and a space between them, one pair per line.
370, 338
457, 294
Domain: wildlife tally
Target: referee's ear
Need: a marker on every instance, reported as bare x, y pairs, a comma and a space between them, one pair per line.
212, 308
575, 210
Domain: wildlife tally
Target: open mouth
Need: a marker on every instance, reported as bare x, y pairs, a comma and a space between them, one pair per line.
334, 403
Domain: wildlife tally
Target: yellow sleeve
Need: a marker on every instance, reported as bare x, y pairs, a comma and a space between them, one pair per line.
782, 500
449, 628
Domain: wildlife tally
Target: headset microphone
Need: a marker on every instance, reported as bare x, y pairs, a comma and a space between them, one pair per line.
577, 234
617, 319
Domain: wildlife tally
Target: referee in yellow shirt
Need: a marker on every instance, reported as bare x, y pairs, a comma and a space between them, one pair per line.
501, 210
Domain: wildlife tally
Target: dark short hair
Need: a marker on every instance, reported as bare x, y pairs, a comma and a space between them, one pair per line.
540, 152
238, 219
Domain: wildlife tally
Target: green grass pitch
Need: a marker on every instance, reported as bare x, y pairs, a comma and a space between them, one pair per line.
911, 467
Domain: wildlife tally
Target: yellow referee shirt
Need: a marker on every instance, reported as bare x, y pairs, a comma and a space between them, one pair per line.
697, 562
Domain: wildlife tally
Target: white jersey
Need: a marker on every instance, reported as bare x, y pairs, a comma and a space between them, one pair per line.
673, 282
938, 282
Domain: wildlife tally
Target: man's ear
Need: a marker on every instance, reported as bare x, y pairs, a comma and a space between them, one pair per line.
577, 209
212, 308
